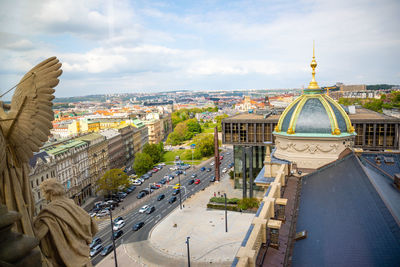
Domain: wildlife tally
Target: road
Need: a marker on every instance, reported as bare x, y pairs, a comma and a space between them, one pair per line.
162, 208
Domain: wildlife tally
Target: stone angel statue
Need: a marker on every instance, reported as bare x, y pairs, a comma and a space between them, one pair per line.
24, 127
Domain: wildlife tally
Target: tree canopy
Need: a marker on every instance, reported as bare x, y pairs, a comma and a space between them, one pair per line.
143, 163
155, 151
112, 180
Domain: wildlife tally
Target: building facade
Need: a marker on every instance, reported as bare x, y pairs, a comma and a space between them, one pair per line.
154, 129
98, 160
72, 167
127, 139
41, 168
116, 155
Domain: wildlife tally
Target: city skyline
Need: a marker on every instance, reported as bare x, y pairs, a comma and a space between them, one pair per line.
138, 46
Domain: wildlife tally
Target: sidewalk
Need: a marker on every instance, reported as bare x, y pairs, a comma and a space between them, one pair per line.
210, 245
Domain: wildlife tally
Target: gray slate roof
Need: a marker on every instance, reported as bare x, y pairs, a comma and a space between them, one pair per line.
348, 224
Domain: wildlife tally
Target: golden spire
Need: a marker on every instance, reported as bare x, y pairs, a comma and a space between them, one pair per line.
313, 84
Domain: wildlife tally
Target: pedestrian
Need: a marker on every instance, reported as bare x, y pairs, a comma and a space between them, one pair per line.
219, 193
123, 208
215, 194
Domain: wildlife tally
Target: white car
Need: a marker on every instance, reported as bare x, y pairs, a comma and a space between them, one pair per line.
212, 163
224, 170
103, 213
118, 225
137, 182
162, 164
143, 209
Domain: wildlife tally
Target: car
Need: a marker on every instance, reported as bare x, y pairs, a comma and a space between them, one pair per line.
182, 147
163, 181
208, 169
107, 250
144, 208
119, 218
137, 182
177, 186
141, 180
112, 202
118, 234
221, 157
137, 226
212, 163
191, 181
158, 185
202, 169
118, 225
160, 197
153, 187
231, 165
155, 170
173, 168
172, 200
150, 210
95, 242
92, 214
197, 181
103, 213
147, 190
224, 170
212, 179
162, 164
176, 191
140, 195
194, 175
96, 250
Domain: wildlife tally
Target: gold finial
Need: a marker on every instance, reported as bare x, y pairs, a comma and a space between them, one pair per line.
313, 84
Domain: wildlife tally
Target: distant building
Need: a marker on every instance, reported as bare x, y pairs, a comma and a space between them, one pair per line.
41, 167
353, 88
72, 167
154, 128
98, 160
127, 139
116, 155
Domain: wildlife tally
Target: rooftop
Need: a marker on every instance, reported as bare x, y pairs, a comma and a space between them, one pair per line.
347, 222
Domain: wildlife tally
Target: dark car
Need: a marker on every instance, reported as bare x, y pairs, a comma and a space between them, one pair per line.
137, 226
172, 200
191, 181
203, 169
140, 195
118, 219
153, 187
107, 250
208, 169
150, 210
176, 191
162, 181
212, 179
160, 197
118, 234
231, 165
96, 241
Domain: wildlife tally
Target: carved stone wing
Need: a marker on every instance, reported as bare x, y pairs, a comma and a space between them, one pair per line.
31, 109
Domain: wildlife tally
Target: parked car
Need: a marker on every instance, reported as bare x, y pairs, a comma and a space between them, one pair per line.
95, 242
119, 218
160, 197
137, 226
212, 163
143, 209
153, 187
176, 191
224, 170
177, 186
118, 225
162, 164
150, 210
137, 182
107, 250
140, 195
172, 200
221, 157
191, 181
118, 234
212, 179
231, 165
197, 181
103, 213
208, 169
194, 175
202, 169
96, 250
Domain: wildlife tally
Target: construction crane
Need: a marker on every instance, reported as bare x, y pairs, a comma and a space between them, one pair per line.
329, 88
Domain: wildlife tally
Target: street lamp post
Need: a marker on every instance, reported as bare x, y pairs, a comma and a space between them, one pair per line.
180, 196
188, 251
113, 240
226, 215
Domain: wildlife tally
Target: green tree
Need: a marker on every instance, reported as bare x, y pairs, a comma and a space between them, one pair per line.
205, 144
154, 151
112, 180
193, 126
143, 163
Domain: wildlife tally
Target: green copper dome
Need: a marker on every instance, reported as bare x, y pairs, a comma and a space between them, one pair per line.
314, 114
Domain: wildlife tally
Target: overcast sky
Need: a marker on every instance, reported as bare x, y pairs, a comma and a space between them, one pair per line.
142, 46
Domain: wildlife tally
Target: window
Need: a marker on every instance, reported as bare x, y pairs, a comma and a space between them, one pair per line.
259, 132
235, 132
47, 176
360, 134
369, 134
267, 132
390, 133
251, 132
243, 132
380, 134
37, 182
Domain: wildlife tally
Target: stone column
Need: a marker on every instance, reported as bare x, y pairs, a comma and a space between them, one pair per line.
244, 183
364, 132
250, 155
